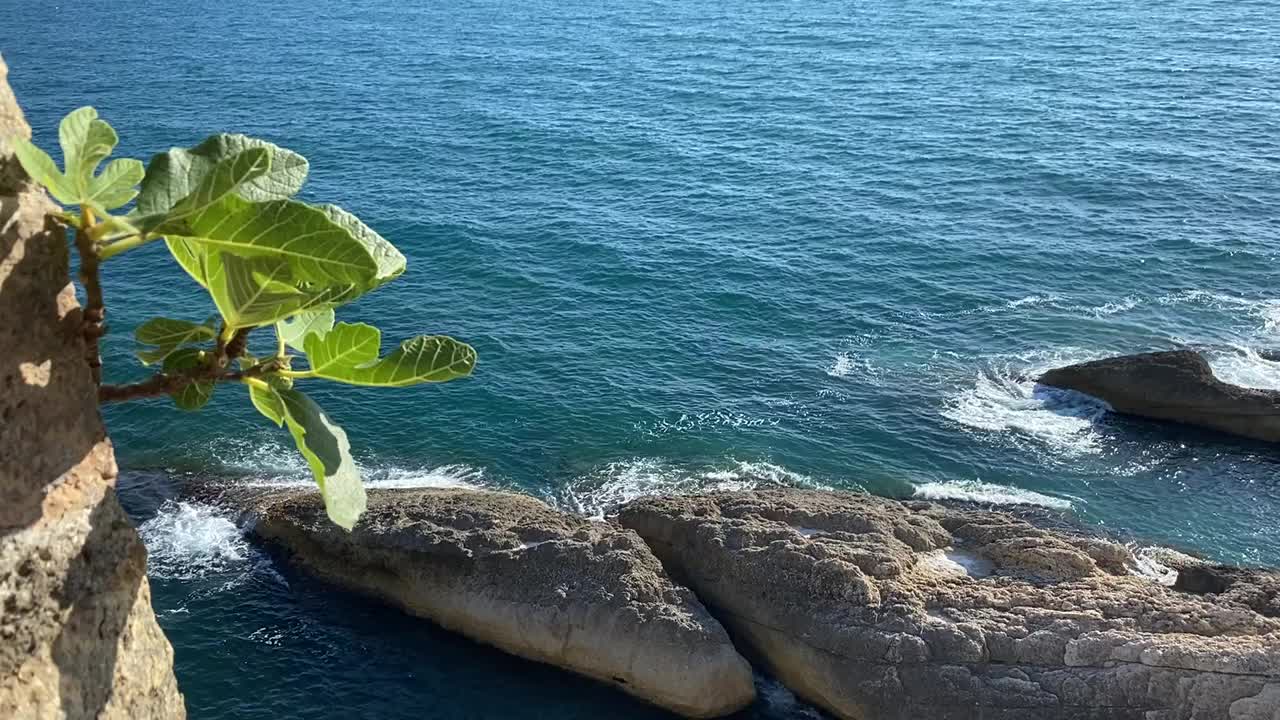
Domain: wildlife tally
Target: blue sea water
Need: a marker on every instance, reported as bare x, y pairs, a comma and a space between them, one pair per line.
698, 245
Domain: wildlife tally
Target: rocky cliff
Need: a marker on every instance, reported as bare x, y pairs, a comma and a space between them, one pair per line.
78, 638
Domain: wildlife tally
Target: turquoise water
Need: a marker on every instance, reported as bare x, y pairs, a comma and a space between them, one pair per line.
701, 245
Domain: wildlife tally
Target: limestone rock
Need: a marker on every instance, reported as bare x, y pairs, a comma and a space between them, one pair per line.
1177, 386
882, 610
78, 638
509, 571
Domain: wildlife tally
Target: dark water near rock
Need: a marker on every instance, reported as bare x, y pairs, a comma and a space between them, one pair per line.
701, 245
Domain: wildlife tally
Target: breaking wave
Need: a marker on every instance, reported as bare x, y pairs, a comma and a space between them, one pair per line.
618, 483
188, 540
977, 491
1005, 397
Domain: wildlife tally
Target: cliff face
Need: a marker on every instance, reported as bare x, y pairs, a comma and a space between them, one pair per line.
78, 638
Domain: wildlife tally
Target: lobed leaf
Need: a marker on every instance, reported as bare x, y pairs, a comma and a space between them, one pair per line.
43, 170
116, 186
167, 335
349, 354
86, 141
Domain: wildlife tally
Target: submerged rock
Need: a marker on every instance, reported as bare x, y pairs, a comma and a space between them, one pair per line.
1178, 386
509, 571
882, 610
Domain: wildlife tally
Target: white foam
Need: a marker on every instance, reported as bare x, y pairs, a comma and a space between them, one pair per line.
1032, 300
1112, 308
1247, 368
806, 531
1007, 399
1149, 566
443, 476
186, 541
955, 562
618, 483
842, 366
848, 363
977, 491
696, 422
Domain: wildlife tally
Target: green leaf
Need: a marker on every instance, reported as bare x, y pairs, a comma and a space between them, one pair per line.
389, 260
117, 184
194, 395
174, 175
86, 141
293, 331
191, 257
250, 292
328, 453
267, 402
167, 335
349, 354
225, 178
316, 249
43, 170
346, 346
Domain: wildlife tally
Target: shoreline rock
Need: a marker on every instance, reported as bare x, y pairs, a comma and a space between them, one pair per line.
78, 637
509, 571
874, 608
1176, 386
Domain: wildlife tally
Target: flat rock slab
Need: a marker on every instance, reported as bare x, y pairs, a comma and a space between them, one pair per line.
509, 571
883, 610
1177, 386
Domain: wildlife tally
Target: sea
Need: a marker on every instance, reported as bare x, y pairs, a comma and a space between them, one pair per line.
698, 245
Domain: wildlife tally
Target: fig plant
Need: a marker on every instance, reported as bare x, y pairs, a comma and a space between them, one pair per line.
227, 213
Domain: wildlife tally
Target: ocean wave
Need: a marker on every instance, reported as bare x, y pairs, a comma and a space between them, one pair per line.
1245, 367
597, 493
188, 541
693, 422
1006, 398
269, 463
977, 491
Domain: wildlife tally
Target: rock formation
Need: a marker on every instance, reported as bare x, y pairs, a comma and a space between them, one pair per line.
1178, 386
881, 610
78, 638
511, 572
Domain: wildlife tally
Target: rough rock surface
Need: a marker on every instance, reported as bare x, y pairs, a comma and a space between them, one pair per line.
78, 638
509, 571
1178, 386
882, 610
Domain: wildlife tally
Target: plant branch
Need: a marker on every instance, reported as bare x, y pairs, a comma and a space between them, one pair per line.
119, 246
168, 384
231, 345
95, 311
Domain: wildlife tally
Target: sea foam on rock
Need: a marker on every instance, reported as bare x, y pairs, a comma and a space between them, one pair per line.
509, 571
862, 606
1177, 386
